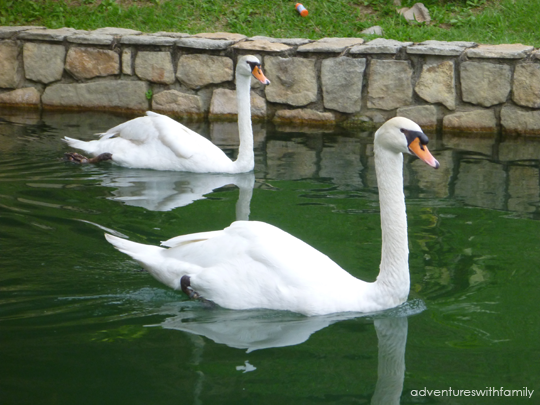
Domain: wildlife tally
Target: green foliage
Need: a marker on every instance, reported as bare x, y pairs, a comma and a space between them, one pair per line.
484, 21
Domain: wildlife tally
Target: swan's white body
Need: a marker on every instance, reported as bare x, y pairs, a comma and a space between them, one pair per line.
158, 142
256, 265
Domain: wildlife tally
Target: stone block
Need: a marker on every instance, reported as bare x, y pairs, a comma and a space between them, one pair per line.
204, 43
57, 35
526, 85
10, 69
380, 45
471, 121
423, 115
196, 71
437, 84
342, 80
485, 84
91, 39
10, 32
170, 34
294, 80
108, 95
440, 48
228, 36
86, 63
116, 32
177, 103
127, 65
330, 45
25, 97
502, 51
304, 117
516, 121
390, 84
147, 40
43, 63
286, 41
224, 105
156, 67
261, 45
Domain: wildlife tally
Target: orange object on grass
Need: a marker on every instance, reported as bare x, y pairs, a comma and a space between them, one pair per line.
301, 9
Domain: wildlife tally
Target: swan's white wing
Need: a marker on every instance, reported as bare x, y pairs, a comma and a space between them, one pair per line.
256, 265
184, 142
138, 130
191, 238
159, 128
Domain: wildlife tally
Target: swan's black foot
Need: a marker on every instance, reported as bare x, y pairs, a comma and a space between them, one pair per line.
78, 158
194, 295
185, 284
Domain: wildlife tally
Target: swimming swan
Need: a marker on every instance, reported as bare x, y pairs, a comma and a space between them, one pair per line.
158, 142
256, 265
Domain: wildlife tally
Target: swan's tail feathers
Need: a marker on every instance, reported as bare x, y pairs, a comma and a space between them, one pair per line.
90, 147
138, 251
75, 143
167, 271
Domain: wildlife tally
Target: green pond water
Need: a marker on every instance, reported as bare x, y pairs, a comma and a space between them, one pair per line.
80, 323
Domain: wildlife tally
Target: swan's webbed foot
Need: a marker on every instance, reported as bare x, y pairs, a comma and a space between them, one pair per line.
192, 294
78, 158
185, 284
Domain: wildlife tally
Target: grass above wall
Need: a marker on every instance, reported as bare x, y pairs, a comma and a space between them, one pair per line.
482, 21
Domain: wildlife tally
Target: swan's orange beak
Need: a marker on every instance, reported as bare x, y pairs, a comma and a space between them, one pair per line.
259, 75
423, 153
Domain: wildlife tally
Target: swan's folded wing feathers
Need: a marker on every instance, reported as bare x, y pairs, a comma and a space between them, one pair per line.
138, 130
191, 238
107, 135
184, 142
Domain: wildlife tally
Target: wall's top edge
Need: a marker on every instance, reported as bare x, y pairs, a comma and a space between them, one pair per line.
223, 40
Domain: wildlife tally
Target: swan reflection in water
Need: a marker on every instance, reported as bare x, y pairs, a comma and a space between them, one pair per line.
262, 329
164, 190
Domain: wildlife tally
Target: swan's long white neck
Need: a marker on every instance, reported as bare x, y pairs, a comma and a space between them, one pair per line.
245, 160
393, 279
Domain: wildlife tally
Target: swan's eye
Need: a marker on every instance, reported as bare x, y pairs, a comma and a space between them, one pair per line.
412, 135
253, 65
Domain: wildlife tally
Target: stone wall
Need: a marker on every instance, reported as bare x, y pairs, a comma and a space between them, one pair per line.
453, 86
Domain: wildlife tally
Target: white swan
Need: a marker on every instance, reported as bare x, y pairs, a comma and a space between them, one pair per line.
158, 142
256, 265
